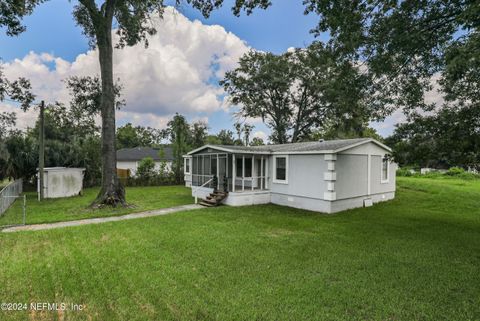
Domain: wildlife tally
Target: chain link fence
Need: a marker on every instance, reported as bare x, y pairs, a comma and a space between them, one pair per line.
8, 195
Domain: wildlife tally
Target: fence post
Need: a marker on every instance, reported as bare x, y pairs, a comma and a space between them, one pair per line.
24, 209
41, 151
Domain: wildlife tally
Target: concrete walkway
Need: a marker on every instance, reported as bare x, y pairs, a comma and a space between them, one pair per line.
49, 226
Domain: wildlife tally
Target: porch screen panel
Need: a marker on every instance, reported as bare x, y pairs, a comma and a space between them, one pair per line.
213, 165
239, 166
195, 170
206, 165
248, 167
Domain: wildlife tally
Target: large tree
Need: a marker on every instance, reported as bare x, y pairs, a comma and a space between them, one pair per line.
131, 21
300, 91
180, 136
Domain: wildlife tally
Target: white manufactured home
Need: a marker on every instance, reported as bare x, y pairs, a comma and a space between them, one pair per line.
324, 176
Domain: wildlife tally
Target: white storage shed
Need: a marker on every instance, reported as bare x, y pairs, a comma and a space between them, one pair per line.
62, 182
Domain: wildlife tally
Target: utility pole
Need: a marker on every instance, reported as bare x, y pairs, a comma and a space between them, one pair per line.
41, 151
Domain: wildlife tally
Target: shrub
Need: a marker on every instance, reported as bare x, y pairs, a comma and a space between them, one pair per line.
405, 171
146, 168
434, 174
455, 171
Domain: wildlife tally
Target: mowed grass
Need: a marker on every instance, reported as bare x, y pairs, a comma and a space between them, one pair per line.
414, 258
74, 208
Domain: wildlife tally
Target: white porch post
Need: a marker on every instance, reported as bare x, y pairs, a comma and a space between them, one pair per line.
261, 173
218, 173
234, 172
253, 169
266, 172
243, 173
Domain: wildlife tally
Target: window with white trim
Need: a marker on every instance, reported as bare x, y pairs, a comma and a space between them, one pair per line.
280, 169
385, 169
187, 165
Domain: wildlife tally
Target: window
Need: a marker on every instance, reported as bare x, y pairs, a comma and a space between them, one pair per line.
385, 169
280, 169
187, 165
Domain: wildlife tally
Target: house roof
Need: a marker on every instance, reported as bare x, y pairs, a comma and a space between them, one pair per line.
327, 146
139, 153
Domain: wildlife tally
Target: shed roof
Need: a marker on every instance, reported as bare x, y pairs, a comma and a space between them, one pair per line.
139, 153
326, 146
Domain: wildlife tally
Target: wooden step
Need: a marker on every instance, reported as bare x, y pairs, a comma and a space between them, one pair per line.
211, 201
206, 204
214, 199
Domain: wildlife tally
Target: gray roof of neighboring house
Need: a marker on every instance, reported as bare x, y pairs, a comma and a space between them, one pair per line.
305, 147
139, 153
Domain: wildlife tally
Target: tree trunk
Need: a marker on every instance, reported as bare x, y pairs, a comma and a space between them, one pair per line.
112, 193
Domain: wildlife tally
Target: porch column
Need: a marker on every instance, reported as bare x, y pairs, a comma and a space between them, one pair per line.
266, 172
218, 172
253, 169
243, 173
234, 172
261, 173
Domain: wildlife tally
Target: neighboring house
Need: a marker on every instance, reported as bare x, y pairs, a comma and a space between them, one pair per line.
130, 158
325, 176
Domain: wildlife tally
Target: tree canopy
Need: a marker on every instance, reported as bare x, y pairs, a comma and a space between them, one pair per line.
450, 137
404, 43
300, 91
13, 11
129, 136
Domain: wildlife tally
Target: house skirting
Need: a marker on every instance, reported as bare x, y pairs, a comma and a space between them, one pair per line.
354, 202
248, 198
306, 203
236, 198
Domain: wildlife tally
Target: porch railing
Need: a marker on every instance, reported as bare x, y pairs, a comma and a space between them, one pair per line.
200, 180
197, 187
250, 183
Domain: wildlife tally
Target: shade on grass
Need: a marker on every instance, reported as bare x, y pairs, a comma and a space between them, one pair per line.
414, 258
74, 208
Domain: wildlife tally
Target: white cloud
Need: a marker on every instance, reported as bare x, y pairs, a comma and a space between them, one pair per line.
178, 72
24, 119
261, 134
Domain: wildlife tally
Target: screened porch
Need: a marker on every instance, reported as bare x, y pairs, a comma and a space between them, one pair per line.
230, 172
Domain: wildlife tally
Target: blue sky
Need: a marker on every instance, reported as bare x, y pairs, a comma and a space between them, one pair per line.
51, 30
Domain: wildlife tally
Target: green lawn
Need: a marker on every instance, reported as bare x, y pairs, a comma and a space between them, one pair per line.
74, 208
414, 258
